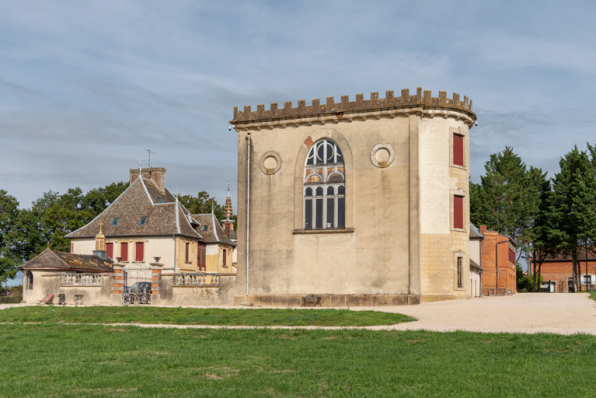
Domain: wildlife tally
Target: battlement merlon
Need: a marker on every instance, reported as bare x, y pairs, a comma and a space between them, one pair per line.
422, 99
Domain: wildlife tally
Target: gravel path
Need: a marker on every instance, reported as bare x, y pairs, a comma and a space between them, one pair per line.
560, 313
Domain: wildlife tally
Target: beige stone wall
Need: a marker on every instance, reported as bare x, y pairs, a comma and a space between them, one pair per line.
373, 258
48, 282
441, 243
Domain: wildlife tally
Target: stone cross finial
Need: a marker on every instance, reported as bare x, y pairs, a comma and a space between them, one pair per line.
100, 225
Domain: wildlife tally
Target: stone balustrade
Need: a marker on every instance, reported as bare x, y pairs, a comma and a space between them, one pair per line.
67, 279
196, 279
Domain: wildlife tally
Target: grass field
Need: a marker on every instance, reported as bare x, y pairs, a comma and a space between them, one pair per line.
81, 361
201, 316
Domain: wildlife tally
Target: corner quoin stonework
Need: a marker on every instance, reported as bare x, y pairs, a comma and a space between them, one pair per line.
399, 243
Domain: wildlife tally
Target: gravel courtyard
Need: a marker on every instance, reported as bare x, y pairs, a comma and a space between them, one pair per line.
560, 313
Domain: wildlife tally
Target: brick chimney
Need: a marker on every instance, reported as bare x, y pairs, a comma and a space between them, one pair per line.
155, 174
482, 229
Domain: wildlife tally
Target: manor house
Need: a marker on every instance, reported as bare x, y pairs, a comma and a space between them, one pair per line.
361, 202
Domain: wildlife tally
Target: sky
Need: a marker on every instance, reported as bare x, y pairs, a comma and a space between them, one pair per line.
86, 87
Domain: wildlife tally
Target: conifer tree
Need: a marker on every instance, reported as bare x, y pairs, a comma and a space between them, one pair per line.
505, 200
572, 206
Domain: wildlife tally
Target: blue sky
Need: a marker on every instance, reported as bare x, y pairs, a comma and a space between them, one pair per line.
86, 87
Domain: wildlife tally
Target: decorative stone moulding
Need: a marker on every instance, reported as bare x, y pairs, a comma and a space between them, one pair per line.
421, 103
382, 155
270, 162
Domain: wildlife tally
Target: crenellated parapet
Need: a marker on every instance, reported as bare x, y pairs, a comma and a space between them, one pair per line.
422, 99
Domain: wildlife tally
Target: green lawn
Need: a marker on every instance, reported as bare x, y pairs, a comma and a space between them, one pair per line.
195, 316
82, 361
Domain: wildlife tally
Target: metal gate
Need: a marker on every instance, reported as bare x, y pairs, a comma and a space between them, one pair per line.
137, 285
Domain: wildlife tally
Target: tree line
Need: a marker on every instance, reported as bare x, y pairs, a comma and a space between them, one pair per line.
544, 216
26, 232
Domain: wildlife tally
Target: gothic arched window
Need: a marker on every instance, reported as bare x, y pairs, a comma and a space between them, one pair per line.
324, 187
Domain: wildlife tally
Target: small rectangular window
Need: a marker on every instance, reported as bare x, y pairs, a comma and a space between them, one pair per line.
115, 220
124, 251
458, 212
139, 252
224, 258
143, 221
160, 200
460, 281
187, 252
205, 227
458, 149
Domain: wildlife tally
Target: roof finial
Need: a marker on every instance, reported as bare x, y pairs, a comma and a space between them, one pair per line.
48, 244
228, 187
100, 225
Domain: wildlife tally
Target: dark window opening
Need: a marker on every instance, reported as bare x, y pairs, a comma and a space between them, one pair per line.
115, 220
143, 221
460, 282
458, 212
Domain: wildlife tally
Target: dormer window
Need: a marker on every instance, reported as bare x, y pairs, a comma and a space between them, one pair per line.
115, 220
160, 200
143, 221
205, 227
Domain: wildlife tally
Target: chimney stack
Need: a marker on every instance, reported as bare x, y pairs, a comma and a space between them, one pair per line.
155, 174
482, 229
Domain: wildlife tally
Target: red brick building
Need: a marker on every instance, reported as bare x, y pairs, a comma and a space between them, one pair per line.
560, 270
496, 245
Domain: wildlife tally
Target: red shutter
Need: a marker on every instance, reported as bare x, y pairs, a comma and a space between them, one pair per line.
458, 149
187, 252
139, 252
224, 257
458, 212
110, 250
124, 251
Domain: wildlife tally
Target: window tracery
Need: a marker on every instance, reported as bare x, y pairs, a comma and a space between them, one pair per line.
324, 187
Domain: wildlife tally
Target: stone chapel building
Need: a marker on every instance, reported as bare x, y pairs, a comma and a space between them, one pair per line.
361, 202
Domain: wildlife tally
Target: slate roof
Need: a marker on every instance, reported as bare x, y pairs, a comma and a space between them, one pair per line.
141, 199
233, 235
214, 233
473, 264
50, 259
475, 232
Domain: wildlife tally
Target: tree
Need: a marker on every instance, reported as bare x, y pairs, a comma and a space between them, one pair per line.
201, 204
572, 206
540, 245
505, 200
9, 211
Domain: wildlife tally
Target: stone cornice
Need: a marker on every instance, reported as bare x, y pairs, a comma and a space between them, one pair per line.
421, 104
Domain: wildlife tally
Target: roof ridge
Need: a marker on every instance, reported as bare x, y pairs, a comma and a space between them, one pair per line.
188, 222
106, 209
146, 190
